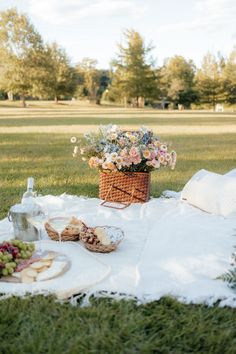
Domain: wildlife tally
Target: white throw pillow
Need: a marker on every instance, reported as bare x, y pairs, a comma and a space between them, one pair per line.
231, 173
211, 192
227, 197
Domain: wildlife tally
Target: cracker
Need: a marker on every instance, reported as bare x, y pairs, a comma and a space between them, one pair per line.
42, 269
50, 256
31, 273
26, 279
46, 262
24, 272
37, 265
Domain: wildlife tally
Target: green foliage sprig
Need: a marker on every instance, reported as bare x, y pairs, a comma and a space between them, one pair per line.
230, 275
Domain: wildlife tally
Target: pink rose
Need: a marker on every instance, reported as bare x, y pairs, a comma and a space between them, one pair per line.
122, 141
135, 159
133, 151
153, 155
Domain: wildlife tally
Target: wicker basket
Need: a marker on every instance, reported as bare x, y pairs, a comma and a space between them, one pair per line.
125, 187
98, 247
71, 233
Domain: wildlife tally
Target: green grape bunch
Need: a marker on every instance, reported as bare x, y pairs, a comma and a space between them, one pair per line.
12, 253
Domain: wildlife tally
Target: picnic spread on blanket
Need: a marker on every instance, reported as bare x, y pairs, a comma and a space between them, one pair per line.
124, 245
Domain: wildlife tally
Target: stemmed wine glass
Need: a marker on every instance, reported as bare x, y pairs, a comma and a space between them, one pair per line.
59, 223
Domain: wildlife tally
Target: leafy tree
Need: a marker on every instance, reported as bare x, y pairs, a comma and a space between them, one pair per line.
92, 82
133, 72
59, 80
3, 95
177, 81
20, 48
209, 80
89, 78
229, 78
105, 80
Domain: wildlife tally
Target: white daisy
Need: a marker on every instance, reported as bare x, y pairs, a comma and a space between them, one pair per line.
73, 139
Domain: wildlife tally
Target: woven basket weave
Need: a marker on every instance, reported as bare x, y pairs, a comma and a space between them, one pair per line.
98, 247
130, 187
71, 233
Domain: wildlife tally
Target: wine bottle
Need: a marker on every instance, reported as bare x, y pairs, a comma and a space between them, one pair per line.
29, 196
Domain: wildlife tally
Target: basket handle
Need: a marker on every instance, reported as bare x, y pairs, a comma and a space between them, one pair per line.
123, 205
133, 196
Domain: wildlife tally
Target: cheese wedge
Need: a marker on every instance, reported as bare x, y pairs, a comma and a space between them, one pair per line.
52, 272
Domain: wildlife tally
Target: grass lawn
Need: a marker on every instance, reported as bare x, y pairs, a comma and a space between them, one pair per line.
35, 141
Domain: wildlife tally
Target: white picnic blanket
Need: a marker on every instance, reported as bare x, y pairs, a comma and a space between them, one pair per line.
170, 248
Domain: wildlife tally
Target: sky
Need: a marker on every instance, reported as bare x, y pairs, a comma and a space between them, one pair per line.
93, 28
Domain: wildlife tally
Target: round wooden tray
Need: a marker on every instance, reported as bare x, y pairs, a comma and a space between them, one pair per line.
59, 257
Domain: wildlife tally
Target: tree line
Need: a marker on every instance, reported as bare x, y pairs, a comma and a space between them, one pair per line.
31, 68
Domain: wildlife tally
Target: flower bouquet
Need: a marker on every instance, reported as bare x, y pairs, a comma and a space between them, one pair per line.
125, 160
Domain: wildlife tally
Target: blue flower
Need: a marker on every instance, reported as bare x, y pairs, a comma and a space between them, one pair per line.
146, 138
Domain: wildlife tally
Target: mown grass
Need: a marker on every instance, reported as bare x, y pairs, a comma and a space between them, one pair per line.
95, 115
40, 325
48, 157
45, 121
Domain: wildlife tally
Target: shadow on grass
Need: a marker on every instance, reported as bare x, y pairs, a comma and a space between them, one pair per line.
90, 120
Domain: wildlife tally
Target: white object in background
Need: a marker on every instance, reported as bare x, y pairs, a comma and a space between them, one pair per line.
227, 197
231, 173
212, 193
201, 191
219, 107
29, 196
